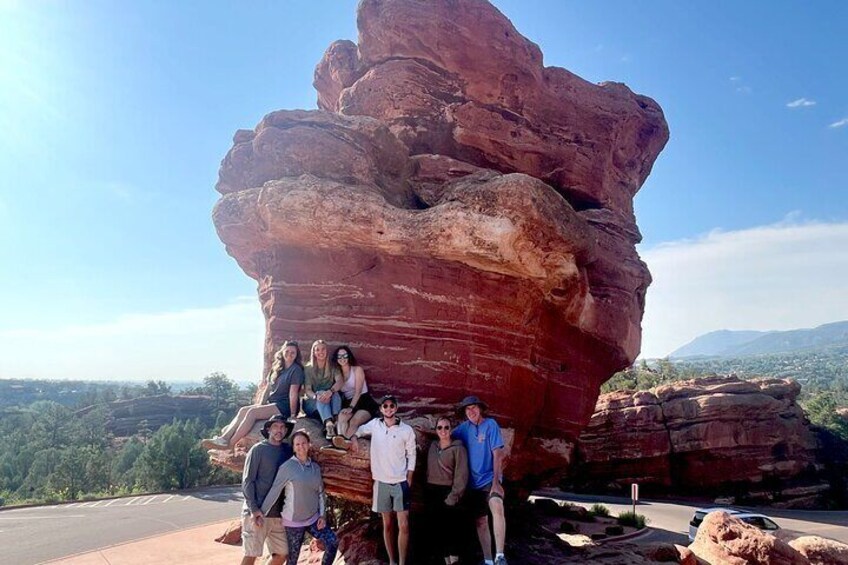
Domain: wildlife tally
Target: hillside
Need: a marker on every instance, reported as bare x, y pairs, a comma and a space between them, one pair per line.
734, 344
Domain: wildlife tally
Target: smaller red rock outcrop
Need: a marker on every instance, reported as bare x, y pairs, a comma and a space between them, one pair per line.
725, 540
126, 416
704, 433
821, 551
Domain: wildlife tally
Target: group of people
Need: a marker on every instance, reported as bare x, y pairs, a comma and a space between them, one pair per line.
283, 487
331, 388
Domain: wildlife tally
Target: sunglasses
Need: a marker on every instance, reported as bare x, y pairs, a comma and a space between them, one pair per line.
342, 356
389, 405
442, 427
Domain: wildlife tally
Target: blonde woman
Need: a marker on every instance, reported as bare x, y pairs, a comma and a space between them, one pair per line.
283, 391
321, 391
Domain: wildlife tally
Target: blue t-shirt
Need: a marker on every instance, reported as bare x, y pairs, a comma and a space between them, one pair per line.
479, 441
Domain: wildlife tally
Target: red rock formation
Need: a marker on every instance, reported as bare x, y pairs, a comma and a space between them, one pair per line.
723, 539
698, 434
458, 213
821, 551
152, 412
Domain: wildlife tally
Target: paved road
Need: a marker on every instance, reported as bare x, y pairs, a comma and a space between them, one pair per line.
35, 535
670, 522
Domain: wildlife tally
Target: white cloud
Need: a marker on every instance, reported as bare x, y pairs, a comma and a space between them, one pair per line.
784, 276
801, 103
745, 90
735, 79
841, 123
183, 345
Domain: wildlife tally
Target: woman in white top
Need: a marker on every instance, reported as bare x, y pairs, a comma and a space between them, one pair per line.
358, 406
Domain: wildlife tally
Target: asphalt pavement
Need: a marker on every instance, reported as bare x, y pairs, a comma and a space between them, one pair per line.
38, 534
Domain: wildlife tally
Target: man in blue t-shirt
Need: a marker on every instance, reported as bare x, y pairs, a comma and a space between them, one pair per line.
482, 439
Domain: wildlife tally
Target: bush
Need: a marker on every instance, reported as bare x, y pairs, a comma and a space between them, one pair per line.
599, 510
568, 528
614, 530
632, 519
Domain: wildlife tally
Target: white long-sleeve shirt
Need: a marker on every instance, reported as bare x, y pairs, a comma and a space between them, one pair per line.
392, 450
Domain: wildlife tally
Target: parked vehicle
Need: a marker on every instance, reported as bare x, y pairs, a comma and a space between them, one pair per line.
760, 521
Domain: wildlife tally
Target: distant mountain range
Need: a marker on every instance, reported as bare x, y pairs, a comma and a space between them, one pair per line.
729, 343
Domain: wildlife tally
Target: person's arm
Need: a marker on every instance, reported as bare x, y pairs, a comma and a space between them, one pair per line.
297, 379
410, 455
308, 387
497, 487
248, 484
460, 476
282, 477
364, 430
322, 503
359, 383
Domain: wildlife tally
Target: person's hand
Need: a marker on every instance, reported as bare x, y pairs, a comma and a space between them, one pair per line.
497, 489
258, 519
346, 411
322, 523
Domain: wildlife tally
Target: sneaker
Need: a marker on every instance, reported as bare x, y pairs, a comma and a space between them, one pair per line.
500, 560
331, 430
332, 450
216, 442
341, 442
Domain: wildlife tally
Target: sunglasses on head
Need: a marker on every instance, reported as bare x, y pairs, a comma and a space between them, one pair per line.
447, 427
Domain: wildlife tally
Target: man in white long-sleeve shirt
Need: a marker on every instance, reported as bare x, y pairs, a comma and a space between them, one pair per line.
392, 465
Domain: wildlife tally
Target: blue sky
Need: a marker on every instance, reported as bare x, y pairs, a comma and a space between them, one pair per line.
115, 117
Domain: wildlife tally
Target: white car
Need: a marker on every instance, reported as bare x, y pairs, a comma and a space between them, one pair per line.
757, 520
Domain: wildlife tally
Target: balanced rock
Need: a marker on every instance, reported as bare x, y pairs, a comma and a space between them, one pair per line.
458, 213
699, 434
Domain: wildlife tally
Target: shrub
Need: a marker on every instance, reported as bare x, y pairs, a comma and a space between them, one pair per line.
614, 530
599, 510
632, 519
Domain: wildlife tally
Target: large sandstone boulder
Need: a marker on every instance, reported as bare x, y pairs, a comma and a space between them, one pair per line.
725, 540
699, 434
457, 212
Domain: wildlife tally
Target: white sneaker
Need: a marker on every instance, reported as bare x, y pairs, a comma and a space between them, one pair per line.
216, 442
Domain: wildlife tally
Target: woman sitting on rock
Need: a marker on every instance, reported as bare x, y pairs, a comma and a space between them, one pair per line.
282, 388
447, 477
359, 407
321, 391
304, 505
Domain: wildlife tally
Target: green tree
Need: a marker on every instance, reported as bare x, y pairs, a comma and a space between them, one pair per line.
155, 388
50, 423
173, 458
123, 472
222, 390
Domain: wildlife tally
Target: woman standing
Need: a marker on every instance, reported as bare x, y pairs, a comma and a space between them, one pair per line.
304, 506
359, 407
323, 383
447, 477
283, 390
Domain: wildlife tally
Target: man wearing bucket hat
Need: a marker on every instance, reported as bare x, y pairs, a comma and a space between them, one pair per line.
482, 438
260, 468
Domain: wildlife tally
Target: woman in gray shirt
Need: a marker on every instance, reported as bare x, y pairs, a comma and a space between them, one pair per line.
304, 506
282, 388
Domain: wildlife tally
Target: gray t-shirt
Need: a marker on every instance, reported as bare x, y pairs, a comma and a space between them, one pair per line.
280, 391
260, 468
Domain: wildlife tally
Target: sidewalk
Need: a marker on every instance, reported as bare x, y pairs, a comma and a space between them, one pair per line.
195, 545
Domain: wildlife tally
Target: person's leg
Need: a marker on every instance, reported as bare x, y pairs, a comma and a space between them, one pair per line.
228, 430
403, 535
336, 403
325, 411
253, 414
328, 538
389, 536
294, 537
248, 560
358, 419
484, 536
496, 507
252, 540
342, 424
276, 541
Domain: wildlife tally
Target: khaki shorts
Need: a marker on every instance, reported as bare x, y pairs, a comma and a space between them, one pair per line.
253, 538
391, 497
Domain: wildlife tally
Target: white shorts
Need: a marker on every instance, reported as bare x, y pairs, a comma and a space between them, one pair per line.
254, 538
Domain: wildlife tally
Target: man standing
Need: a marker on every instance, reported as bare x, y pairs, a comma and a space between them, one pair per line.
482, 438
392, 466
260, 468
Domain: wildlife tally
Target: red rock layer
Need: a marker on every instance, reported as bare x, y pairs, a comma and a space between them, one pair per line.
697, 434
458, 213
